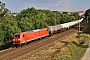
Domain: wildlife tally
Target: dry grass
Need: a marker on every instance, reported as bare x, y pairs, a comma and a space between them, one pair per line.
64, 50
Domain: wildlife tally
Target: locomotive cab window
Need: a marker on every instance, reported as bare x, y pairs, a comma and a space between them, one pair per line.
17, 36
23, 35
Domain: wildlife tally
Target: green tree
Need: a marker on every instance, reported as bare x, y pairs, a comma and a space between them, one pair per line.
10, 27
87, 13
1, 36
3, 11
75, 15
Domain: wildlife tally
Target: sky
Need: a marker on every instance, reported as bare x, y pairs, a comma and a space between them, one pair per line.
53, 5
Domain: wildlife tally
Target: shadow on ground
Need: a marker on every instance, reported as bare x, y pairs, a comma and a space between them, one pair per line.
84, 46
6, 46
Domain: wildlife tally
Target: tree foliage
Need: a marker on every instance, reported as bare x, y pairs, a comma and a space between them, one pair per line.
42, 18
8, 25
87, 13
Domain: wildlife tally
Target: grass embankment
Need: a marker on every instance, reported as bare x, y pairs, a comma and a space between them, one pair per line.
74, 50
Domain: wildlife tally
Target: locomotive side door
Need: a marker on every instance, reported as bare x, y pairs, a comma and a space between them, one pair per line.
23, 38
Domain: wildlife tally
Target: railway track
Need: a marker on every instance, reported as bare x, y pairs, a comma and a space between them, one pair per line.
20, 52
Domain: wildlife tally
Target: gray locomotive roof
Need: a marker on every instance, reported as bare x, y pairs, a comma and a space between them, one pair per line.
34, 30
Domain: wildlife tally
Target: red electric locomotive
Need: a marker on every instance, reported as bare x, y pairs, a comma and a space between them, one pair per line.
23, 37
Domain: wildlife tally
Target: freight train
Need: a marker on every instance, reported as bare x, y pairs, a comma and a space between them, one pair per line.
27, 36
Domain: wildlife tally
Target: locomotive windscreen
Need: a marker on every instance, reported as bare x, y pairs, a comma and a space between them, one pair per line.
17, 36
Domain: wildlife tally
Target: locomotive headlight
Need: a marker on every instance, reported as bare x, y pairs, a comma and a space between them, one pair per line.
18, 39
13, 39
